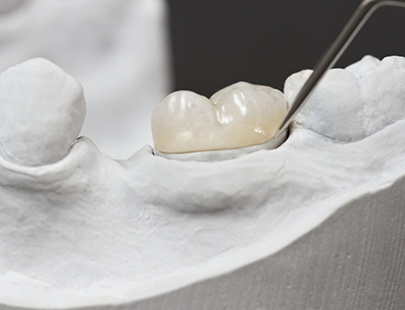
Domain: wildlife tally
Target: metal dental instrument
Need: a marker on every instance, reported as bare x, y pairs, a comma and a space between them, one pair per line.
353, 26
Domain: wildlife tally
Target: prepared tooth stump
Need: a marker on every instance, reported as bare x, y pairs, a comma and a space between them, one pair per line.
39, 129
317, 223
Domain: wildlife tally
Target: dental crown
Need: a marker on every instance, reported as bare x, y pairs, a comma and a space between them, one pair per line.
237, 116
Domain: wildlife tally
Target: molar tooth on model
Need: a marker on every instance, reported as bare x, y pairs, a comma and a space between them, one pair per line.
353, 103
42, 110
237, 116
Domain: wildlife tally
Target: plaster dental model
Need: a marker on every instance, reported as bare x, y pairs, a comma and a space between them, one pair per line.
317, 223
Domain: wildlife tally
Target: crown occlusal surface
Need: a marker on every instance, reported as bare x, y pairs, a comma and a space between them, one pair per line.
42, 110
237, 116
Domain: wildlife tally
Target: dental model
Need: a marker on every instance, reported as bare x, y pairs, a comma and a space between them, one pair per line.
317, 223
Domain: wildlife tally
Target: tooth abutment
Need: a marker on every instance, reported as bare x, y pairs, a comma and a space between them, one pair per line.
42, 110
239, 119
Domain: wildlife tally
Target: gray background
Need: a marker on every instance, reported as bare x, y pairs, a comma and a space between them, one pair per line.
219, 42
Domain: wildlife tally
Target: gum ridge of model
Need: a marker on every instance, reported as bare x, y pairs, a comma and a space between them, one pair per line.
237, 116
89, 230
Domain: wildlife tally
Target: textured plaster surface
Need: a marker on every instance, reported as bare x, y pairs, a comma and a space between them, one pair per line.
317, 223
55, 101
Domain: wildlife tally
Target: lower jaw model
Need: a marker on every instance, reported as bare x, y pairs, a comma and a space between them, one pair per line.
317, 223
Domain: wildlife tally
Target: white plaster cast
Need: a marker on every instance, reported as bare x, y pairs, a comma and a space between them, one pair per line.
347, 107
117, 49
316, 222
42, 110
